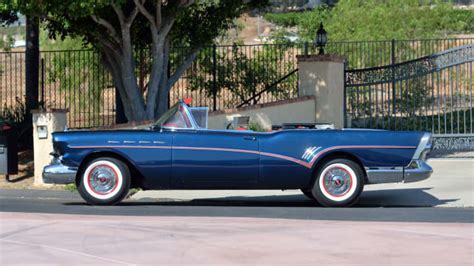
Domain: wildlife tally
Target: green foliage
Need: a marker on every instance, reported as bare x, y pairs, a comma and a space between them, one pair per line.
70, 187
244, 72
380, 20
197, 25
442, 123
255, 126
17, 117
6, 36
8, 13
208, 19
289, 19
117, 28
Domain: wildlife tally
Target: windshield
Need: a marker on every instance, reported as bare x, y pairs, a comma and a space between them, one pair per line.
175, 117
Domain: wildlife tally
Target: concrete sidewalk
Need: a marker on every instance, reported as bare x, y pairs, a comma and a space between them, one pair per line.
451, 185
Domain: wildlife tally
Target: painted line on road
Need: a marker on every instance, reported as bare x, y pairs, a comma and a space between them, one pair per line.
67, 251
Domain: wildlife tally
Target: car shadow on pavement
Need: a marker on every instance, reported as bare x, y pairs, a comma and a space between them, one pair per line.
407, 197
412, 197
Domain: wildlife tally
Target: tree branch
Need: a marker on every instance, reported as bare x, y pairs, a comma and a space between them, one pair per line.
185, 65
131, 17
185, 3
108, 26
165, 29
119, 13
142, 9
158, 14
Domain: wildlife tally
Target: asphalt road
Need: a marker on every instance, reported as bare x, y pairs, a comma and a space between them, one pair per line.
57, 227
59, 239
59, 202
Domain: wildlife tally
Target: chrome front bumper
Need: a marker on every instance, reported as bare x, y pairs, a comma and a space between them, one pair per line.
59, 174
417, 170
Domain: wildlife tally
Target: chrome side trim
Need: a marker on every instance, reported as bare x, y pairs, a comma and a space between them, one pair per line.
425, 143
59, 174
384, 175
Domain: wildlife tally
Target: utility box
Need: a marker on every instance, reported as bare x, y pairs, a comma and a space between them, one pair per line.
8, 150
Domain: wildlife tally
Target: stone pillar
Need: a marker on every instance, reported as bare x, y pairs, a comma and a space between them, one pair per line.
45, 122
323, 77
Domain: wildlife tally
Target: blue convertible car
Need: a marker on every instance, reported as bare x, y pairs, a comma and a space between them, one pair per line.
179, 152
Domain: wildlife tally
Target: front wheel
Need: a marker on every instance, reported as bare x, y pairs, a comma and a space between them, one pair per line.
339, 183
104, 181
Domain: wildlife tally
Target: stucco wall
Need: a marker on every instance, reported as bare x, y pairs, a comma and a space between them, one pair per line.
323, 77
287, 111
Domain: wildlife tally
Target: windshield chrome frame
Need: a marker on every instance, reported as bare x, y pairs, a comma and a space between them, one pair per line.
190, 116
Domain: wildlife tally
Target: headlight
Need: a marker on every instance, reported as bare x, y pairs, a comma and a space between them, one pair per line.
57, 159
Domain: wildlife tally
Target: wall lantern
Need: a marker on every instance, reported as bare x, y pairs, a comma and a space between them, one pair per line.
321, 39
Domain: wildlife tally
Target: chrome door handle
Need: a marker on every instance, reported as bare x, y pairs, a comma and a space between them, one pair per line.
250, 138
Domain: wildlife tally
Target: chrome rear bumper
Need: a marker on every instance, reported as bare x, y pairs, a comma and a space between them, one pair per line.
59, 174
417, 170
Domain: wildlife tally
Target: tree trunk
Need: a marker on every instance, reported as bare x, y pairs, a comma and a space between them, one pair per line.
120, 116
129, 79
112, 65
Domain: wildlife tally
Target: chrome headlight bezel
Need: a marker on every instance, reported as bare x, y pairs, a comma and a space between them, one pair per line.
57, 159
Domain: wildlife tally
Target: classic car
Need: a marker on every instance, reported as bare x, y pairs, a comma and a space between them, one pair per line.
179, 152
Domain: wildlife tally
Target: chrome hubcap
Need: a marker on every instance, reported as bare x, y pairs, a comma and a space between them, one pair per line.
102, 179
337, 181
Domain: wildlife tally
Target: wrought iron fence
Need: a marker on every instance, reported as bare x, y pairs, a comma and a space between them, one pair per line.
221, 76
432, 93
227, 76
77, 80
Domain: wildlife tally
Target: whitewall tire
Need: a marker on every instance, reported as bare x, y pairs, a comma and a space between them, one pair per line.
338, 183
104, 181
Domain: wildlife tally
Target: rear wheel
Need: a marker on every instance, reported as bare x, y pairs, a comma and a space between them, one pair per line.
339, 183
104, 181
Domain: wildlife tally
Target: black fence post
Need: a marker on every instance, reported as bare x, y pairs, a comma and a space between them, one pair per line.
345, 96
214, 76
305, 48
42, 83
393, 80
168, 74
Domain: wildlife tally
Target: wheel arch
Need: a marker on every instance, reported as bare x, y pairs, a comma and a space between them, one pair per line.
135, 175
337, 155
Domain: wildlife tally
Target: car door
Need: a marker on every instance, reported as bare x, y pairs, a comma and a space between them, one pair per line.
215, 159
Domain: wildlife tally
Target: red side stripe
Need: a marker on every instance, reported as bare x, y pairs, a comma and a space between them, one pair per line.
279, 156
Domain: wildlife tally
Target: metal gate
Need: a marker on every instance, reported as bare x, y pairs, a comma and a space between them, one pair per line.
432, 93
